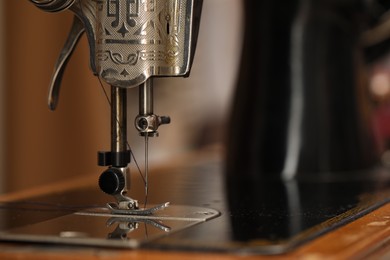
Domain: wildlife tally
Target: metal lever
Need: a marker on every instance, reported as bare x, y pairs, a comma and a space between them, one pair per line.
53, 5
74, 36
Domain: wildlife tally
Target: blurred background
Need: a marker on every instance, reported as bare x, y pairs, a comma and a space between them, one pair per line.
39, 147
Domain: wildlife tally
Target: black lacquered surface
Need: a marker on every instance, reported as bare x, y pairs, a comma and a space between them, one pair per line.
264, 218
301, 103
269, 216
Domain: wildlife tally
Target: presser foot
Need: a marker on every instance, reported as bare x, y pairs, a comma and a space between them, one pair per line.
124, 202
129, 206
117, 210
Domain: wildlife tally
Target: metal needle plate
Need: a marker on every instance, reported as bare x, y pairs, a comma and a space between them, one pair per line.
99, 227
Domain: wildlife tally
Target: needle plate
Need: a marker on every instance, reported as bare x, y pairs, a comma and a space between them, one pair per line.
99, 227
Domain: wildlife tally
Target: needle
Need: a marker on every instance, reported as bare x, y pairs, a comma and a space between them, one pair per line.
146, 167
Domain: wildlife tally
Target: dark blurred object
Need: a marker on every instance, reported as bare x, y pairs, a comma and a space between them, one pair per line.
377, 38
301, 131
302, 105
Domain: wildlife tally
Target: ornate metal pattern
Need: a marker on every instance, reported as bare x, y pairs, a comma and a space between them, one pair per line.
137, 39
133, 40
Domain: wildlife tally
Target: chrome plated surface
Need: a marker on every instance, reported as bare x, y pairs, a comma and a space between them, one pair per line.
141, 39
146, 98
118, 120
133, 41
116, 209
124, 202
100, 227
146, 122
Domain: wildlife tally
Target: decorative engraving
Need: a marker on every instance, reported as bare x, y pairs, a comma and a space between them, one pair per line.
125, 73
118, 58
152, 55
132, 40
123, 30
132, 11
102, 56
137, 39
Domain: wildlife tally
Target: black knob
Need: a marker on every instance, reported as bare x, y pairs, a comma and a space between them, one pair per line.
165, 120
112, 181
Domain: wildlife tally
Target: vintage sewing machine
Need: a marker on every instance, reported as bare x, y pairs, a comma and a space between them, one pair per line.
302, 158
130, 43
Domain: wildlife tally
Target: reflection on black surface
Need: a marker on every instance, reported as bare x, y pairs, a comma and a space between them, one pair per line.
274, 212
259, 217
16, 214
124, 226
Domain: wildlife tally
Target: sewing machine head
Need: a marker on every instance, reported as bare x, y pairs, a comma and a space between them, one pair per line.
130, 43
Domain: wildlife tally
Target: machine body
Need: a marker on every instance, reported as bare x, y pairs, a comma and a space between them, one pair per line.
130, 42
